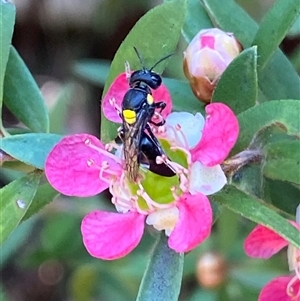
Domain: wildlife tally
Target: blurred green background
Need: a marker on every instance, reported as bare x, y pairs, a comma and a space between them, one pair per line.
68, 46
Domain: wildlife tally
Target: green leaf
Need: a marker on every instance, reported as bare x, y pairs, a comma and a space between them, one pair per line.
271, 81
284, 113
283, 161
155, 35
16, 198
182, 96
240, 23
7, 21
274, 27
282, 195
31, 149
22, 95
253, 208
163, 275
295, 29
18, 237
44, 195
237, 86
196, 19
94, 71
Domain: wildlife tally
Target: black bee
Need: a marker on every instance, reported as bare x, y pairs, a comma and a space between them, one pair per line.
138, 108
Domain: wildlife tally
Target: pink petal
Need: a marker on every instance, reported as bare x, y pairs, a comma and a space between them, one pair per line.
207, 41
67, 168
117, 91
194, 224
208, 62
220, 133
109, 236
275, 290
263, 242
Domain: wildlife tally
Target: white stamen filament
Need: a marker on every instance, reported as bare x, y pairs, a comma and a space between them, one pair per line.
150, 203
102, 151
114, 104
290, 290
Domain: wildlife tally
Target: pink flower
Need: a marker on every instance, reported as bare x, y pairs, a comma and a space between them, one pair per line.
263, 243
206, 58
81, 165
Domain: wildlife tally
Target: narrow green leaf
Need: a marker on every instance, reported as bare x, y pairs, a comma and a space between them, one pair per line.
282, 195
7, 21
182, 96
15, 200
295, 29
237, 86
274, 27
163, 275
22, 95
279, 80
155, 35
271, 82
18, 237
196, 19
240, 23
44, 195
31, 149
283, 161
284, 113
253, 208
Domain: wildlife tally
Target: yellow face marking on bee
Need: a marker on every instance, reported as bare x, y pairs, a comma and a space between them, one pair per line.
129, 116
150, 99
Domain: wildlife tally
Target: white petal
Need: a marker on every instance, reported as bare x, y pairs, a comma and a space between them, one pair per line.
164, 219
206, 180
191, 127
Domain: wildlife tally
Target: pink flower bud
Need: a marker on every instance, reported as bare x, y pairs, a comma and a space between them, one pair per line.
206, 58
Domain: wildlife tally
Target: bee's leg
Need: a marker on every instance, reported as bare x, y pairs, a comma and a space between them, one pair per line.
160, 123
160, 105
152, 136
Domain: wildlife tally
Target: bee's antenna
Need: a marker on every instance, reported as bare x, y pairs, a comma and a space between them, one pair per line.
139, 56
162, 59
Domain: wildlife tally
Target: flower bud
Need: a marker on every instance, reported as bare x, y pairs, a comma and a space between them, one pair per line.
206, 58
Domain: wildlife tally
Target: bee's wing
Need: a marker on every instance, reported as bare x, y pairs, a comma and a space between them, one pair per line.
132, 142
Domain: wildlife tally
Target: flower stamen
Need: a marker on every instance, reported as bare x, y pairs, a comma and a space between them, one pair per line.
150, 203
113, 103
102, 151
290, 289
